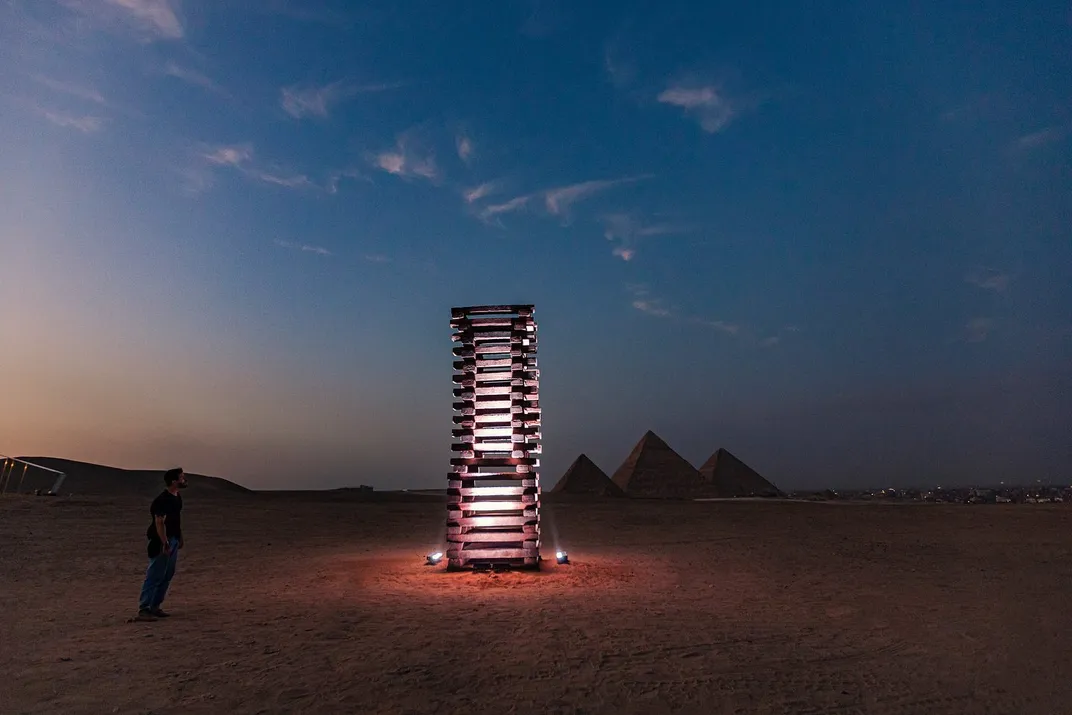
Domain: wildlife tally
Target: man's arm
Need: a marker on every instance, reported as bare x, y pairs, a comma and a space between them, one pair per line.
162, 532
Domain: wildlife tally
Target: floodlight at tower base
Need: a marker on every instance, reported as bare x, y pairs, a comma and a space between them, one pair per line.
493, 490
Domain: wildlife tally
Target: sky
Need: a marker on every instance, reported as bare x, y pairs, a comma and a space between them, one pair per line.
834, 239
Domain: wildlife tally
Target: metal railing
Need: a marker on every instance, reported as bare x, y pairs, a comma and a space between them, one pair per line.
9, 469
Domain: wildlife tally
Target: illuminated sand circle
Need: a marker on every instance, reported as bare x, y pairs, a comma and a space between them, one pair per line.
493, 502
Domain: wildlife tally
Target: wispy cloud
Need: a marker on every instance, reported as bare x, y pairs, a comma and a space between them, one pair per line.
464, 146
377, 258
291, 181
517, 203
479, 192
336, 177
620, 72
705, 103
314, 101
300, 102
157, 17
559, 200
406, 160
720, 325
1041, 138
770, 342
75, 90
84, 124
304, 247
193, 77
627, 231
240, 158
235, 155
988, 279
645, 303
978, 329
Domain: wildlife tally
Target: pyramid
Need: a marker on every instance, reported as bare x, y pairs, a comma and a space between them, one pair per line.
730, 477
584, 477
654, 470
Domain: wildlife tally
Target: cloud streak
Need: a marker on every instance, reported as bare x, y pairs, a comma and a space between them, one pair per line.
627, 232
464, 146
294, 181
1041, 138
84, 124
406, 161
515, 204
240, 158
193, 77
712, 109
304, 247
720, 325
235, 155
978, 329
87, 93
479, 192
155, 16
989, 279
645, 303
336, 178
301, 102
559, 200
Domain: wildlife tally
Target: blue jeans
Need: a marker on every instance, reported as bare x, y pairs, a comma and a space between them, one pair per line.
158, 577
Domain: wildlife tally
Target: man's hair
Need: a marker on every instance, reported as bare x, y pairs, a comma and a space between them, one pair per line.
172, 475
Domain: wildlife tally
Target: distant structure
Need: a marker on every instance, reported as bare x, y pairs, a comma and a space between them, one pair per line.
584, 477
654, 470
728, 476
493, 493
9, 468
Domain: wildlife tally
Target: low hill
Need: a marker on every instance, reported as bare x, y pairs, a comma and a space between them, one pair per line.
99, 480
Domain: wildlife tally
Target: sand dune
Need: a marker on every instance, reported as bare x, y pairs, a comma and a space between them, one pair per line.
291, 603
84, 479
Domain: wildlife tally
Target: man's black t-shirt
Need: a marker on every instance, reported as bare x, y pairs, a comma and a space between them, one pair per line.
169, 506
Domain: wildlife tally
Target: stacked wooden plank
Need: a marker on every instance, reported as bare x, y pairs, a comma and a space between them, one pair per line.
493, 502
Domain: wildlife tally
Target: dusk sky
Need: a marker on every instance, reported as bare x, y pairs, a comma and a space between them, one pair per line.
835, 238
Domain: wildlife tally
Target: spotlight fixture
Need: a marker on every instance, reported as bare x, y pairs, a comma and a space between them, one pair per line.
434, 558
562, 557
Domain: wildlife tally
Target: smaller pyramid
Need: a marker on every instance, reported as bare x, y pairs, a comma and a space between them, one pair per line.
584, 477
730, 477
654, 470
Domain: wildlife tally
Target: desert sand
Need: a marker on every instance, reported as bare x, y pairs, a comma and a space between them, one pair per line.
320, 603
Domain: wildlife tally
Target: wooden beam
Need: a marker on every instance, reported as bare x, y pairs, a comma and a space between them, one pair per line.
494, 537
492, 491
475, 554
480, 522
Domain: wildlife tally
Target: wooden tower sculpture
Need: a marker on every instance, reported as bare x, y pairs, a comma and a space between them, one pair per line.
493, 496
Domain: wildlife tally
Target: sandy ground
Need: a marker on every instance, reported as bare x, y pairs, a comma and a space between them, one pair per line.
308, 605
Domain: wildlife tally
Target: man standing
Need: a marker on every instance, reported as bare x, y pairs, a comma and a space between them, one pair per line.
164, 541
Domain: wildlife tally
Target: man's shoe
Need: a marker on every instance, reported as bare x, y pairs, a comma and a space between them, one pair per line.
145, 615
160, 613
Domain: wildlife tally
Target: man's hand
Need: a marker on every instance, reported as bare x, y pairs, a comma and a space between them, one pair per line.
167, 549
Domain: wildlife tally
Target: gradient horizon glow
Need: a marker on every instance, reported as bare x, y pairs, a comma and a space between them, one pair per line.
836, 240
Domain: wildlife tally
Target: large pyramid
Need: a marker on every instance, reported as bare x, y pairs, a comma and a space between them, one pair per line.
654, 470
730, 477
584, 477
